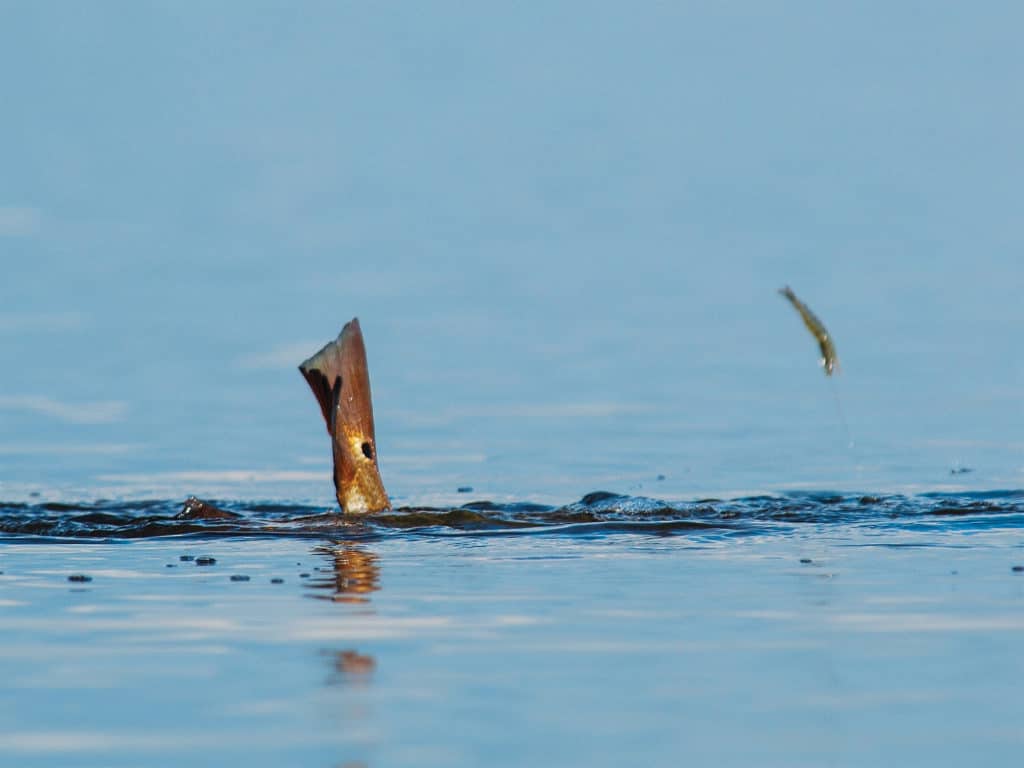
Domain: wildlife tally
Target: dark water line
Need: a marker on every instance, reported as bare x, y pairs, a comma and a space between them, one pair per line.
596, 514
595, 528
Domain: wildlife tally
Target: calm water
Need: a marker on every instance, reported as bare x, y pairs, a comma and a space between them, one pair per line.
806, 629
562, 227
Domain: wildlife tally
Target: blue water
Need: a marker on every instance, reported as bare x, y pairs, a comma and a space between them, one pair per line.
563, 230
829, 639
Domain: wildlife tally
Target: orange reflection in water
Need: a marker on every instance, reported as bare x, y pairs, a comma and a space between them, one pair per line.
351, 667
356, 574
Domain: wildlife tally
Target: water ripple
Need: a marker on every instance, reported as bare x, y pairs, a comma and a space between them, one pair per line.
595, 514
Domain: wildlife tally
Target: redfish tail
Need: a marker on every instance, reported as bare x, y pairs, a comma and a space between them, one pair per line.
340, 380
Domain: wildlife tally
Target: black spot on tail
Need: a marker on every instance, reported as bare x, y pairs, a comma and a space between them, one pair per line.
367, 451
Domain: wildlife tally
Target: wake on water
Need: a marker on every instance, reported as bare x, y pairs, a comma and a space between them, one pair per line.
595, 514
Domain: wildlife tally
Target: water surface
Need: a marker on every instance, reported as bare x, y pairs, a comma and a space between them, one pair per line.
822, 628
562, 227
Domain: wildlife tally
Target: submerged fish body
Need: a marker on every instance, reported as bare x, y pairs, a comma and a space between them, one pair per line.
340, 380
829, 359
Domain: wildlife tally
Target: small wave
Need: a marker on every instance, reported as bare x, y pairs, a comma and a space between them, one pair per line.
596, 513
